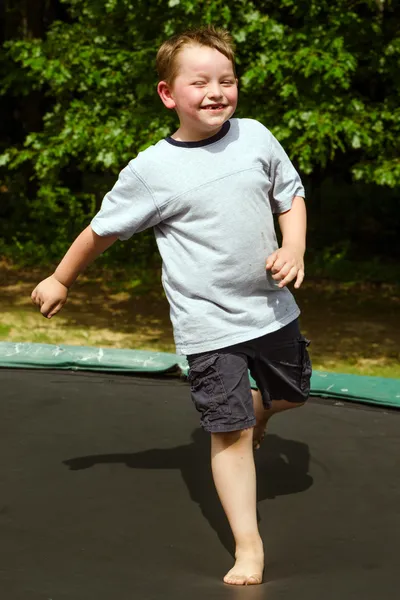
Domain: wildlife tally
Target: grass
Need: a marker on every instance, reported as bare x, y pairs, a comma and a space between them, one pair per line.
4, 331
353, 326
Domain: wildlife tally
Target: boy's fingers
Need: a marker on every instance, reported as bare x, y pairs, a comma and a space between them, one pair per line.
47, 307
37, 299
271, 259
300, 278
289, 277
55, 310
278, 266
281, 272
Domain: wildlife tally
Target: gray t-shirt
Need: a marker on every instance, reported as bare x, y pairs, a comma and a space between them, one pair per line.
211, 204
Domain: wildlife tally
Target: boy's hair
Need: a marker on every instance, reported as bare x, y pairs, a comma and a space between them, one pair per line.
166, 61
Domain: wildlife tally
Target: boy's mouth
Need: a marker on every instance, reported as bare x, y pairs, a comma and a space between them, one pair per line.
214, 107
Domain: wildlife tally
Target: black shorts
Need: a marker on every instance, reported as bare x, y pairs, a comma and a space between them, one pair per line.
220, 385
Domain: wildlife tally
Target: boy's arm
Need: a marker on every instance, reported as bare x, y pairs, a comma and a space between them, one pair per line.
84, 250
287, 263
51, 293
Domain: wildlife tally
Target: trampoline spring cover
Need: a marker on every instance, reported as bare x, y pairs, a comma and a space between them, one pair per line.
371, 390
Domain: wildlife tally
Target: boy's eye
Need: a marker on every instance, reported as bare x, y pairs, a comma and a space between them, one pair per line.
228, 82
199, 83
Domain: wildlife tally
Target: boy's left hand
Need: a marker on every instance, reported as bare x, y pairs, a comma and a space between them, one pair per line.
286, 264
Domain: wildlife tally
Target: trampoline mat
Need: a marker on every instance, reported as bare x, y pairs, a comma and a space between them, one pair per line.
106, 494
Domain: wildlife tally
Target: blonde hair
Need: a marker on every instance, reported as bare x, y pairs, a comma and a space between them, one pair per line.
166, 60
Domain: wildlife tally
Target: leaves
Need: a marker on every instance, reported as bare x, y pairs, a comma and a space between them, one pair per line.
324, 77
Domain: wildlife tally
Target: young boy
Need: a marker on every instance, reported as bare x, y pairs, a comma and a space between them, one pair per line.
209, 191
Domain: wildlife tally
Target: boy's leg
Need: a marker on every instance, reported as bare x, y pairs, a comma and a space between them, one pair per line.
221, 392
233, 469
264, 414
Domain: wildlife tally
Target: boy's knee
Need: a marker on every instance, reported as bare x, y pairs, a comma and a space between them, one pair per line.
279, 405
298, 404
227, 438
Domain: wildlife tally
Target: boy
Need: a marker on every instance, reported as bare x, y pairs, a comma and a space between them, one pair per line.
209, 191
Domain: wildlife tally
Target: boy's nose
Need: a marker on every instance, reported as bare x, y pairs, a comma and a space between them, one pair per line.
214, 91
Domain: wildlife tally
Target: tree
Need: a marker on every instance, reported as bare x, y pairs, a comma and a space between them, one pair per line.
323, 76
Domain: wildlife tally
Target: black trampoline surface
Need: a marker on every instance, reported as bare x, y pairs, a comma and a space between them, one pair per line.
106, 494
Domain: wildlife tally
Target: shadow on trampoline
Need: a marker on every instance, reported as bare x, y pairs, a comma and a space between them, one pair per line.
282, 468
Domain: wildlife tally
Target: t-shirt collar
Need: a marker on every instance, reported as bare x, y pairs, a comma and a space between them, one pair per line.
214, 138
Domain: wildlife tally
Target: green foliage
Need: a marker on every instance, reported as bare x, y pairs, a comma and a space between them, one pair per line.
324, 77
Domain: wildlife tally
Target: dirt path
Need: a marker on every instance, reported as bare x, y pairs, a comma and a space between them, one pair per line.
353, 329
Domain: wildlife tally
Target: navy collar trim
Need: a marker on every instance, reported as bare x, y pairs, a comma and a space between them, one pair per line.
211, 140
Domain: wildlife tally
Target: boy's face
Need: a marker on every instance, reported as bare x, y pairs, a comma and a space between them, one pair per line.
204, 92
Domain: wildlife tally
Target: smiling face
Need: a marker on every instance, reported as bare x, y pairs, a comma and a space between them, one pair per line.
203, 93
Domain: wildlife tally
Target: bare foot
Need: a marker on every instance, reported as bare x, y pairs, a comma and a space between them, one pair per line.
248, 568
262, 417
259, 432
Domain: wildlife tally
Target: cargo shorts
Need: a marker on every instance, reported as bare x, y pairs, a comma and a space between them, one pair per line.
219, 379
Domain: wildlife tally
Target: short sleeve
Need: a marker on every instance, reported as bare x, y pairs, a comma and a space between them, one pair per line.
285, 181
127, 209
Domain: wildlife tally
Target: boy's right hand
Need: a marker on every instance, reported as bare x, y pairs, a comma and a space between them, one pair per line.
50, 295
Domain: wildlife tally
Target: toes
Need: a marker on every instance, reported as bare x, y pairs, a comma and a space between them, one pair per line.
243, 580
258, 441
235, 579
254, 580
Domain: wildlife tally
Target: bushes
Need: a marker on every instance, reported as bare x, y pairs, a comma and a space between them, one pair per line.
322, 76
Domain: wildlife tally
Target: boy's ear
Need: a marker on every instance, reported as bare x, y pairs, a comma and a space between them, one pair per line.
165, 94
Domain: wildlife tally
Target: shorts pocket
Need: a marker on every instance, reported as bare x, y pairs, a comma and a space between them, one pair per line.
290, 371
208, 391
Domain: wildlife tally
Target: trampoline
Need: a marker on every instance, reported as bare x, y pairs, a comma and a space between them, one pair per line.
106, 494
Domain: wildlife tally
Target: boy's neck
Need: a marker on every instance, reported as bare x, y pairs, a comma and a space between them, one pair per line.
185, 135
